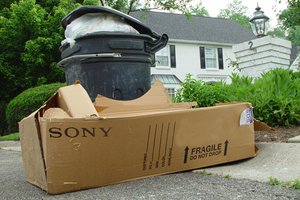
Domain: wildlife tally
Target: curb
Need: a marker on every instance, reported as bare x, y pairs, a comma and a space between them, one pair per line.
10, 145
294, 139
11, 148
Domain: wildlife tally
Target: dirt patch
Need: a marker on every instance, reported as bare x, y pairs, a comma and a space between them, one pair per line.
282, 134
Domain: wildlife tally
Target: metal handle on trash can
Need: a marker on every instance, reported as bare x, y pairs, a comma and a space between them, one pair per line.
161, 42
99, 55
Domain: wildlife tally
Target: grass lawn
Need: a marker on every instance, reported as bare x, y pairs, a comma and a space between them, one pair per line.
12, 136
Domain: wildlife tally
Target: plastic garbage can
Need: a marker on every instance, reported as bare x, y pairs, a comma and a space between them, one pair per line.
111, 61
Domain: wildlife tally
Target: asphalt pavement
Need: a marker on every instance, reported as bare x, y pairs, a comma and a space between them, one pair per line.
246, 179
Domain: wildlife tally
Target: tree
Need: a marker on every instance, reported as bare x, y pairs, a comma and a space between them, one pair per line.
6, 3
128, 6
290, 16
24, 22
294, 35
277, 32
291, 21
29, 42
236, 12
199, 10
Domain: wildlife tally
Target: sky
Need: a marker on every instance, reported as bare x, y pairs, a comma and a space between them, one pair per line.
270, 7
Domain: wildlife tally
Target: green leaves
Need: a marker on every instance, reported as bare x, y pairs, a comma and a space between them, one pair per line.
172, 5
291, 21
292, 184
275, 96
236, 12
290, 16
27, 102
204, 94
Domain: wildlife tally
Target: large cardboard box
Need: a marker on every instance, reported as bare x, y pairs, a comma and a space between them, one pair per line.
71, 144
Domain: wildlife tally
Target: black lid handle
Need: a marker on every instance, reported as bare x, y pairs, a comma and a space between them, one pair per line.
157, 45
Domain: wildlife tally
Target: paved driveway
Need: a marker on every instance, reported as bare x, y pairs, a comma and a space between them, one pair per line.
181, 186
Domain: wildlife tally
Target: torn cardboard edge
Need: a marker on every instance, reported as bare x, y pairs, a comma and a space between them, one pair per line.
258, 125
155, 99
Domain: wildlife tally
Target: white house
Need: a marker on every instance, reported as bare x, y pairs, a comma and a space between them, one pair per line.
201, 46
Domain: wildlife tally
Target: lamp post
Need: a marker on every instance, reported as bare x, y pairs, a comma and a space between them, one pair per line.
259, 22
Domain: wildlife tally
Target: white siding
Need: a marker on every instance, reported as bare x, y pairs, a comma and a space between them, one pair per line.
262, 54
188, 61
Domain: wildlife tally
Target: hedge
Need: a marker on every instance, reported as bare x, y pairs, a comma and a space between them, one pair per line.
27, 102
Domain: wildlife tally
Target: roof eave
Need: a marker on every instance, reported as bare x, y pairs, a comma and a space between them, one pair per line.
199, 42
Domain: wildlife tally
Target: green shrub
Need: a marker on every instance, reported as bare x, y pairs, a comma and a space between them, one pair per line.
241, 88
27, 102
204, 94
275, 96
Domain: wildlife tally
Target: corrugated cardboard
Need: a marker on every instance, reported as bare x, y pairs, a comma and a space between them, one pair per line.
73, 153
67, 100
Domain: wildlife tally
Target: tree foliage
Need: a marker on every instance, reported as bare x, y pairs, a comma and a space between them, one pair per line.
29, 42
6, 3
277, 32
290, 16
127, 6
291, 21
199, 10
294, 35
236, 12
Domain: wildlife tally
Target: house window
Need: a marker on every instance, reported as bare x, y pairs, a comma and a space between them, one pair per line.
171, 92
170, 82
165, 79
162, 57
166, 57
211, 58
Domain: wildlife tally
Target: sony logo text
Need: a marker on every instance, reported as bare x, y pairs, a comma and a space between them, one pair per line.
73, 132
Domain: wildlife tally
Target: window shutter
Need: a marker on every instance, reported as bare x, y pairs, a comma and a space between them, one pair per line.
173, 56
202, 57
220, 58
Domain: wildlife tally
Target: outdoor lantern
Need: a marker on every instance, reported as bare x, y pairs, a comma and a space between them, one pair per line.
259, 22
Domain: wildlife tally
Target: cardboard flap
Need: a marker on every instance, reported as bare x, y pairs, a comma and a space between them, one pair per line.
32, 154
75, 101
155, 99
261, 126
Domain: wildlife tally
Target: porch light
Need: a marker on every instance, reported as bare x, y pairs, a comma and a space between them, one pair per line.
259, 22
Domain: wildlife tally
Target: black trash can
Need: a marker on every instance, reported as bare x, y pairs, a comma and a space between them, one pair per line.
112, 64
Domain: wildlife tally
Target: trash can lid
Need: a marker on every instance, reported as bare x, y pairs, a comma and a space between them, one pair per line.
139, 26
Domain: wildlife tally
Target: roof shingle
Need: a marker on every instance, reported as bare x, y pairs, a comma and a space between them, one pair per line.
178, 26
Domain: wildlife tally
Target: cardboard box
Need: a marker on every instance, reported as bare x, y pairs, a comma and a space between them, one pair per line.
67, 145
